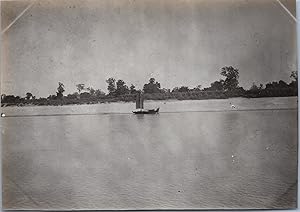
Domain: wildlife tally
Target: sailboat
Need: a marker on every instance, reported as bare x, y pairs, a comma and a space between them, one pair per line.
140, 106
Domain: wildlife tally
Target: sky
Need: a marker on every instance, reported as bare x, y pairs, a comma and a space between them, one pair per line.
178, 42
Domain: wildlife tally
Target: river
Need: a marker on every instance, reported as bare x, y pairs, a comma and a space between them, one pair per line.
193, 155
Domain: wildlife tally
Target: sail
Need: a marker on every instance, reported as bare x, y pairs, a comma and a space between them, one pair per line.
141, 101
139, 104
138, 100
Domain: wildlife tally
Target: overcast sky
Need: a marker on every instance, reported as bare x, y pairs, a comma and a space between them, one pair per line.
183, 42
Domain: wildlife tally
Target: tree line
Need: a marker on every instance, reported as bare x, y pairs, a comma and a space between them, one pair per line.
118, 90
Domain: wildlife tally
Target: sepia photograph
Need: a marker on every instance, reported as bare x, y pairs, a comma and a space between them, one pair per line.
149, 104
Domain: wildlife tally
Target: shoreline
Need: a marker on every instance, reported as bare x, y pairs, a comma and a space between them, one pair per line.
124, 102
164, 112
120, 101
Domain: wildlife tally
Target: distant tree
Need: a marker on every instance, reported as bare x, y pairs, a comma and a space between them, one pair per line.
294, 75
132, 89
122, 88
232, 75
216, 86
60, 90
277, 85
239, 91
282, 84
175, 89
111, 85
281, 88
152, 86
3, 96
91, 90
10, 99
197, 88
80, 87
152, 80
254, 87
294, 83
99, 93
28, 95
165, 90
51, 97
271, 85
85, 95
73, 96
183, 89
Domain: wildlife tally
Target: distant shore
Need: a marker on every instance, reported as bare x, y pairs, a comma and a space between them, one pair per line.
154, 97
118, 91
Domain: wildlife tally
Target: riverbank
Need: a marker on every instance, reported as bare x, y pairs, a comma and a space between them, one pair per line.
166, 106
203, 95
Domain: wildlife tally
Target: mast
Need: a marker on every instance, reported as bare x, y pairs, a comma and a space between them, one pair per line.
139, 104
141, 101
138, 100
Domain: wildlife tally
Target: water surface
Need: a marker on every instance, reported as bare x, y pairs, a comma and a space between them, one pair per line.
165, 106
179, 160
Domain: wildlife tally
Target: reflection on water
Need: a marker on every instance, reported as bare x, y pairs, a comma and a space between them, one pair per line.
232, 159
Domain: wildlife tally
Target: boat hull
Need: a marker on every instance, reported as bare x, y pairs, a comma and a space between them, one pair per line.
144, 111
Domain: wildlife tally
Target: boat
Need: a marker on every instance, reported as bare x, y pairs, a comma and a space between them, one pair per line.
140, 106
145, 111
